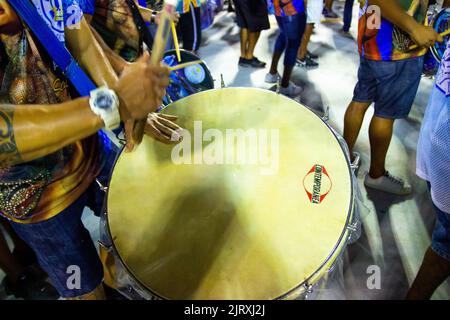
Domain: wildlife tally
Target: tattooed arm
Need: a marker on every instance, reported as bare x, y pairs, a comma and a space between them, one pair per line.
30, 132
393, 12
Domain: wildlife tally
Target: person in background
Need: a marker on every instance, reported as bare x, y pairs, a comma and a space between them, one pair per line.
252, 18
433, 166
291, 19
328, 10
388, 76
313, 13
348, 15
189, 27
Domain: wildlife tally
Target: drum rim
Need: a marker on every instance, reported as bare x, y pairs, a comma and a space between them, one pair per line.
341, 241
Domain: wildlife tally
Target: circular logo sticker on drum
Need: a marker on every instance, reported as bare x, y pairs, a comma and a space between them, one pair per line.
195, 74
317, 184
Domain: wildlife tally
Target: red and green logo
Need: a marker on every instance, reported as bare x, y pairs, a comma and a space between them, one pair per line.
317, 184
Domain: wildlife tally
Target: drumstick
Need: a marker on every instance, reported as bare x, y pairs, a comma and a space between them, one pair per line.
175, 41
159, 46
413, 7
443, 34
185, 65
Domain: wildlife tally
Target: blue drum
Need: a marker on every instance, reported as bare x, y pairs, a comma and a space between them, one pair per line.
440, 21
187, 81
430, 65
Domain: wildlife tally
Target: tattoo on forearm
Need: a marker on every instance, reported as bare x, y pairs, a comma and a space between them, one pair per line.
9, 154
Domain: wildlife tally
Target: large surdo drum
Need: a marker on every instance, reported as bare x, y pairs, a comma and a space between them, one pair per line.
195, 227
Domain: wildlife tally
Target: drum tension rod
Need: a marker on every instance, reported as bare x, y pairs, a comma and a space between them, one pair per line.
101, 186
308, 288
353, 227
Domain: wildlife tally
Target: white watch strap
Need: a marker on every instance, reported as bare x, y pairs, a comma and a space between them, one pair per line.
111, 116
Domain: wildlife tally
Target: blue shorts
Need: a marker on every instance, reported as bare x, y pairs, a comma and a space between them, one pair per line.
63, 246
62, 243
440, 241
290, 37
391, 85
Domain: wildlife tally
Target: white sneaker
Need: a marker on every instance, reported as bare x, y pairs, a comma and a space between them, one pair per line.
388, 183
292, 90
272, 78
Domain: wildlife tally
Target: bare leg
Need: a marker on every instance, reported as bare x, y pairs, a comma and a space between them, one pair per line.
380, 134
252, 40
244, 42
305, 41
286, 76
432, 273
275, 59
329, 4
354, 117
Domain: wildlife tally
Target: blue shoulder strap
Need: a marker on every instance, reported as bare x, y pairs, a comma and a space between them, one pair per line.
57, 51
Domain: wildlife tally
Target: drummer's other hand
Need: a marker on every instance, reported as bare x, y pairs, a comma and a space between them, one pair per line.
141, 88
162, 128
175, 17
425, 36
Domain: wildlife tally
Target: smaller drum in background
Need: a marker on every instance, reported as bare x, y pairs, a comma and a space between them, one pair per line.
440, 21
187, 81
430, 65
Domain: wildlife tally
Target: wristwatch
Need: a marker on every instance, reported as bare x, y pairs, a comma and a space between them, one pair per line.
105, 103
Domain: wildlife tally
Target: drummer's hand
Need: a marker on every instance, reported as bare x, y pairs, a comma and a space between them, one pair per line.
175, 17
141, 88
162, 128
425, 36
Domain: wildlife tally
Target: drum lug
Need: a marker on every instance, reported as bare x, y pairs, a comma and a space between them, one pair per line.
101, 186
353, 227
326, 116
308, 289
356, 163
222, 83
277, 90
104, 246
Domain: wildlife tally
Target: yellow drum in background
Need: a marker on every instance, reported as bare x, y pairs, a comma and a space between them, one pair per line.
188, 226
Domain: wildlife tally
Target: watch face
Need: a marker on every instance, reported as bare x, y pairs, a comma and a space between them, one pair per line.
103, 101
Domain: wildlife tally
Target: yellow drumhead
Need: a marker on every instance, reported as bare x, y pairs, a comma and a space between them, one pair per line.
237, 230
